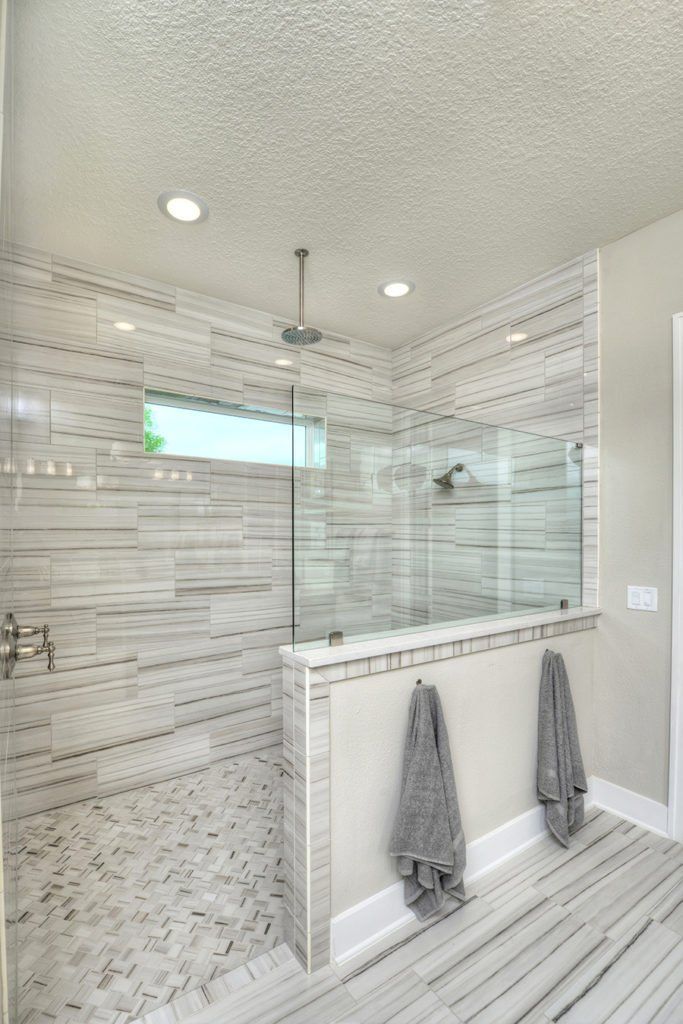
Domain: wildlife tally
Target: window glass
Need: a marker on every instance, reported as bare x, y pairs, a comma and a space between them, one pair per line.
208, 429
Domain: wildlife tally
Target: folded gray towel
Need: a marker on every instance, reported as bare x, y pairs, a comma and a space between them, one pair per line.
428, 839
561, 780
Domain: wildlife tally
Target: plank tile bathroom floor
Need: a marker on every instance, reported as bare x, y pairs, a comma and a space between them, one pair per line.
128, 901
586, 936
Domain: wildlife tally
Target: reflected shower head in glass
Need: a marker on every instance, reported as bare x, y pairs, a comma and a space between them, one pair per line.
301, 335
446, 481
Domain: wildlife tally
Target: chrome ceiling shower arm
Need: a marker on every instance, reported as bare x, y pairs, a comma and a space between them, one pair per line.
302, 254
301, 335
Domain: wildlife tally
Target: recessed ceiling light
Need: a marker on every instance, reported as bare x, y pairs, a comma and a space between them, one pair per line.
396, 289
283, 362
518, 336
184, 206
123, 325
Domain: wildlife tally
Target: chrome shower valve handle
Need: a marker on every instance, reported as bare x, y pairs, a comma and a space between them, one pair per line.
23, 652
11, 651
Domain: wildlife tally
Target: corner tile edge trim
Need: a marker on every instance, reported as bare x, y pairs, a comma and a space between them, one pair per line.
334, 664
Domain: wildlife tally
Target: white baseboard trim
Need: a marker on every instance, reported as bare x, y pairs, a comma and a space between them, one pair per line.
487, 852
641, 810
369, 922
364, 925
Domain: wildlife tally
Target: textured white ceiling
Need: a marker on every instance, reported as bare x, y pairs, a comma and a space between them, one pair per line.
465, 144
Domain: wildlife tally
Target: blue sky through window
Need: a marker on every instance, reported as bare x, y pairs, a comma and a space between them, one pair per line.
218, 435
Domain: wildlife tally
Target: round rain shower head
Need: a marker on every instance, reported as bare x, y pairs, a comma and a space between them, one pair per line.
301, 335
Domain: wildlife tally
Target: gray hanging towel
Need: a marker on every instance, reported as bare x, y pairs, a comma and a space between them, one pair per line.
428, 839
561, 780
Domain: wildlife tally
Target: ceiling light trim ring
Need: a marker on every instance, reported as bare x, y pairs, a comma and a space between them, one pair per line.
406, 288
167, 197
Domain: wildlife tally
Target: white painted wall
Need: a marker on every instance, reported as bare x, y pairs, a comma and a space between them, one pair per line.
490, 702
641, 287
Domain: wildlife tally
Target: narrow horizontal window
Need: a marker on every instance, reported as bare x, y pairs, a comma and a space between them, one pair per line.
205, 428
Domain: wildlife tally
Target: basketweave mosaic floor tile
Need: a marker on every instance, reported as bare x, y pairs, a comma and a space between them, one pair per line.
127, 902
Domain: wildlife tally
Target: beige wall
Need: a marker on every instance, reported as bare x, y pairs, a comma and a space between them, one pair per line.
641, 287
490, 701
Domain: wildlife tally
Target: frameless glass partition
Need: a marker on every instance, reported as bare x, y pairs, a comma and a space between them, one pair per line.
410, 520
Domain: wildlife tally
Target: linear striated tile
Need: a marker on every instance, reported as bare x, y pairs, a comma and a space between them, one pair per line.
669, 910
152, 480
111, 282
223, 571
212, 992
41, 783
508, 982
252, 357
190, 526
489, 930
236, 613
56, 527
406, 1000
226, 317
631, 982
503, 884
262, 485
191, 673
85, 730
73, 690
48, 474
150, 760
112, 579
197, 379
159, 335
615, 903
332, 367
395, 962
99, 419
76, 369
228, 741
30, 578
74, 637
588, 866
30, 420
283, 996
134, 627
22, 264
43, 314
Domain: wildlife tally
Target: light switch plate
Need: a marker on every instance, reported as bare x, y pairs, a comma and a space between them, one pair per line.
642, 599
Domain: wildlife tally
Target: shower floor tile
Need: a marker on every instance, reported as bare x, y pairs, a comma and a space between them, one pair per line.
132, 900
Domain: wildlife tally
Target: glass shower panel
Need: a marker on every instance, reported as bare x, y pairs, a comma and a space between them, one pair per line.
343, 520
419, 520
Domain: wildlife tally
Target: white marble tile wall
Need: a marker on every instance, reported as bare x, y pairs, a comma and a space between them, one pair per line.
173, 574
528, 361
166, 581
508, 536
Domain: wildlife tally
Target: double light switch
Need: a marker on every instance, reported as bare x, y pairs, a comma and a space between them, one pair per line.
642, 599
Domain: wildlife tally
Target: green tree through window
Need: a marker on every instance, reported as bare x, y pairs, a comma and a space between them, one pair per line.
153, 442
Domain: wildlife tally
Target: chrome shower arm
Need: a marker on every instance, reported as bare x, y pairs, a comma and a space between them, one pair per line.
302, 254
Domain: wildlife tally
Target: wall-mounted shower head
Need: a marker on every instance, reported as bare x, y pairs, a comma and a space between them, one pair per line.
446, 481
301, 335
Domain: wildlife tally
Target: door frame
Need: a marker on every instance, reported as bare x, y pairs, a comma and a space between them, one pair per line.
675, 799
